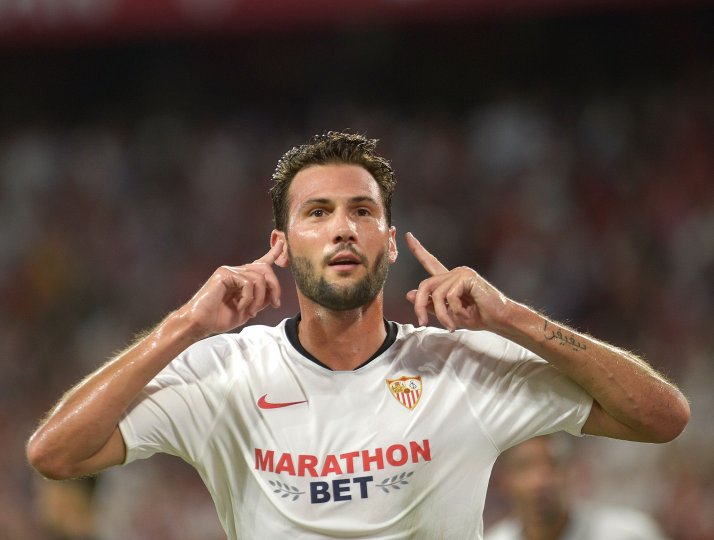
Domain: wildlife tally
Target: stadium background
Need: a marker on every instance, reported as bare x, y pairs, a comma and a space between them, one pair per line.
563, 149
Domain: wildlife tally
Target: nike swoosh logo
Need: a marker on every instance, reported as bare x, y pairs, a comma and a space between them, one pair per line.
265, 404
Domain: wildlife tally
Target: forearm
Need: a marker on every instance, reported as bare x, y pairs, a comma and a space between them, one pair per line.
80, 435
625, 387
84, 419
632, 401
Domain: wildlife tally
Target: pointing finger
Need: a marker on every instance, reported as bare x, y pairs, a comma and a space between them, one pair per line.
430, 263
273, 254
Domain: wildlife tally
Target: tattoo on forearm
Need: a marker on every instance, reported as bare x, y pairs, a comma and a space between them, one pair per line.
562, 339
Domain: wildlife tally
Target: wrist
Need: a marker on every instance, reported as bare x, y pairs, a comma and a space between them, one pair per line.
179, 326
515, 321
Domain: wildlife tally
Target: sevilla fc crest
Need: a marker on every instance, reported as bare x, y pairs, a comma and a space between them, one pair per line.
407, 390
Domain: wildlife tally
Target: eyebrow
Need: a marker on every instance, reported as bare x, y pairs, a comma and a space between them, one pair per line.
353, 200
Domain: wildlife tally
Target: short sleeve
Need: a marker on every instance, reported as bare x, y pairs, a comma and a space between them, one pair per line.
518, 395
177, 409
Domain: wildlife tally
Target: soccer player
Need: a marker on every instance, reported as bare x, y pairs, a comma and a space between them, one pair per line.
337, 422
536, 476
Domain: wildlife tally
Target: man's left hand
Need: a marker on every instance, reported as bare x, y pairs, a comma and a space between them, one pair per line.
459, 298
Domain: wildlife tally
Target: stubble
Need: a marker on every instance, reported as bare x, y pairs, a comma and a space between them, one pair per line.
336, 297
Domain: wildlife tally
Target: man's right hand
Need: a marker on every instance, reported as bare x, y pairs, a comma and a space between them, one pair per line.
80, 436
233, 295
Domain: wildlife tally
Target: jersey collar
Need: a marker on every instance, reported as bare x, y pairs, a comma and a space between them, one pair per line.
291, 330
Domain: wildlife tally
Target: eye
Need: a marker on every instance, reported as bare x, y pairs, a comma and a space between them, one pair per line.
317, 212
363, 212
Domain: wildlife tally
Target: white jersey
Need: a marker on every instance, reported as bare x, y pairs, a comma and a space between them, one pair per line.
401, 447
592, 523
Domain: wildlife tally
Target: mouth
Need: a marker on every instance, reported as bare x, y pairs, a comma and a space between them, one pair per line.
344, 261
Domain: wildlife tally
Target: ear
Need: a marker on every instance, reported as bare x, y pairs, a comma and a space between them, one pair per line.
282, 260
393, 251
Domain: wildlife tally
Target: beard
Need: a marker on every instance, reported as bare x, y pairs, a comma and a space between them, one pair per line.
336, 297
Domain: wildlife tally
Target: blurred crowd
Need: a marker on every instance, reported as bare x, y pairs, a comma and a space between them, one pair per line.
597, 208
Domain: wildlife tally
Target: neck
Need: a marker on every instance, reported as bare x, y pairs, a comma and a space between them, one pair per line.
342, 340
544, 530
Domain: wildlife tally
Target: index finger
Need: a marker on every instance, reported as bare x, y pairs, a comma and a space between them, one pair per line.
430, 263
273, 254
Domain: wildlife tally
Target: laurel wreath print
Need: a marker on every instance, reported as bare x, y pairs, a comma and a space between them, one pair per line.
286, 490
395, 481
385, 485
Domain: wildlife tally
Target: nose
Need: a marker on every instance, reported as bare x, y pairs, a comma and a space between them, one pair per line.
544, 476
343, 228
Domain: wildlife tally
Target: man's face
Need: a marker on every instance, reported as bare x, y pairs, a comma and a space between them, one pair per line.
536, 480
339, 243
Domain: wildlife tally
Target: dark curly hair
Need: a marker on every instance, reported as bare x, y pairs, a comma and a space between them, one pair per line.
330, 147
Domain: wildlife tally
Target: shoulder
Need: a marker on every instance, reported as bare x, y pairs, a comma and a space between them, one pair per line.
432, 337
257, 334
252, 342
507, 529
618, 522
487, 348
222, 352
